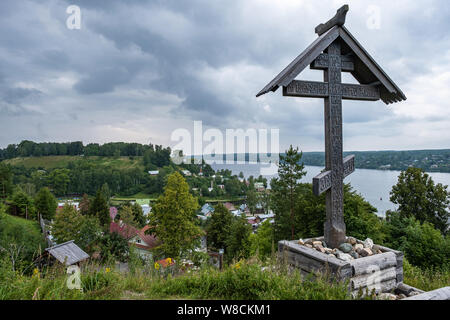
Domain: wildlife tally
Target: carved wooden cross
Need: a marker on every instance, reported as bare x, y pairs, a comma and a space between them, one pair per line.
334, 52
333, 91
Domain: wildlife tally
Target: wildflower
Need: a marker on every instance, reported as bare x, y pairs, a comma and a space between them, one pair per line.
156, 265
36, 273
169, 261
108, 270
237, 266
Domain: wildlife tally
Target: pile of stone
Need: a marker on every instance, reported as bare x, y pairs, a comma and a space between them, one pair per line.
347, 251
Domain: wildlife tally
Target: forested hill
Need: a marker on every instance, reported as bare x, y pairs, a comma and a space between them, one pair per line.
428, 160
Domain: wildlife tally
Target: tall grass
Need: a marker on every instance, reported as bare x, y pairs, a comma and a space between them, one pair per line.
245, 280
426, 279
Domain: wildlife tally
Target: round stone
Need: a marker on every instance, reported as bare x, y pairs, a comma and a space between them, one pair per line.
368, 243
346, 247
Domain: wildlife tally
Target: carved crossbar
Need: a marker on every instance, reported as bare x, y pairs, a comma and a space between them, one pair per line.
314, 89
323, 61
322, 182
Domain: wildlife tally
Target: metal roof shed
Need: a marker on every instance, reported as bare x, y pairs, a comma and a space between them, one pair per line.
68, 253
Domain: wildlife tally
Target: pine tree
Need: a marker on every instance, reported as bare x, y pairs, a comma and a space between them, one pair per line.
99, 209
45, 204
138, 215
284, 193
84, 205
127, 216
218, 227
67, 224
238, 244
174, 216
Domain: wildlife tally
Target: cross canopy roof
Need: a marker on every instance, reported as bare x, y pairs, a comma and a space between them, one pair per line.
366, 71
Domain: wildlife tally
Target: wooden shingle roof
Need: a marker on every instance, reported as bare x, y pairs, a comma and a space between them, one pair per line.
68, 253
366, 71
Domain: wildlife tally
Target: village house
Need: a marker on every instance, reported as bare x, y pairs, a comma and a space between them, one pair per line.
207, 210
259, 186
144, 243
229, 206
69, 202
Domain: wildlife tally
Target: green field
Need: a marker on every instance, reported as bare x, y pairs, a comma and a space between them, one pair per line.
53, 162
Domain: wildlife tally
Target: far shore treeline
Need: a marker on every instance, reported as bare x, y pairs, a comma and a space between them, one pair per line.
428, 160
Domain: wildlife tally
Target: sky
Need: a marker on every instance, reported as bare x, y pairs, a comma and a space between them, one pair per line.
136, 71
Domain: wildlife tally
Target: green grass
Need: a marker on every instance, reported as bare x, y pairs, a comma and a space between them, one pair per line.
425, 279
248, 281
54, 162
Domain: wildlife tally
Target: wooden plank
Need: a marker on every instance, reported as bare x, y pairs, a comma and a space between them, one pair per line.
360, 92
372, 65
322, 182
438, 294
373, 279
313, 259
322, 62
302, 61
406, 289
399, 257
386, 286
349, 165
366, 265
315, 89
308, 89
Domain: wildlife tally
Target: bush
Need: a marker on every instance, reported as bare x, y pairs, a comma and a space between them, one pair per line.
423, 245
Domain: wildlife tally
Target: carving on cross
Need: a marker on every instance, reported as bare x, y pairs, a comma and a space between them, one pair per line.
335, 51
333, 91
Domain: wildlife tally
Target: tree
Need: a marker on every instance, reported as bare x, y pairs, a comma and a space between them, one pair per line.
45, 204
112, 245
418, 196
218, 227
138, 215
238, 241
252, 199
67, 224
173, 217
284, 191
424, 246
59, 180
127, 216
84, 205
106, 192
99, 209
262, 242
23, 204
5, 180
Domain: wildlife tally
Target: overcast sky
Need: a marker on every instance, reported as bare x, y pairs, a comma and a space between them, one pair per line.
137, 70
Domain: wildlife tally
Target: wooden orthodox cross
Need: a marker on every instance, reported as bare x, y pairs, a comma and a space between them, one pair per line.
334, 52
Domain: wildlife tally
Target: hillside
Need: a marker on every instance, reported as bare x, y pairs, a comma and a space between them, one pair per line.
55, 162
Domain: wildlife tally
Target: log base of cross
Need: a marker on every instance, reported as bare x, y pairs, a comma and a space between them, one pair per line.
380, 273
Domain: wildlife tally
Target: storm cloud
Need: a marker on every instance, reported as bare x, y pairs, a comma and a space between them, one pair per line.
137, 70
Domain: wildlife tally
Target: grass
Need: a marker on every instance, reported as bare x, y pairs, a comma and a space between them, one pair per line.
246, 281
54, 162
427, 279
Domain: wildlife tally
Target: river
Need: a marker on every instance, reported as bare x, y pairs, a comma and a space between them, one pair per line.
373, 185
